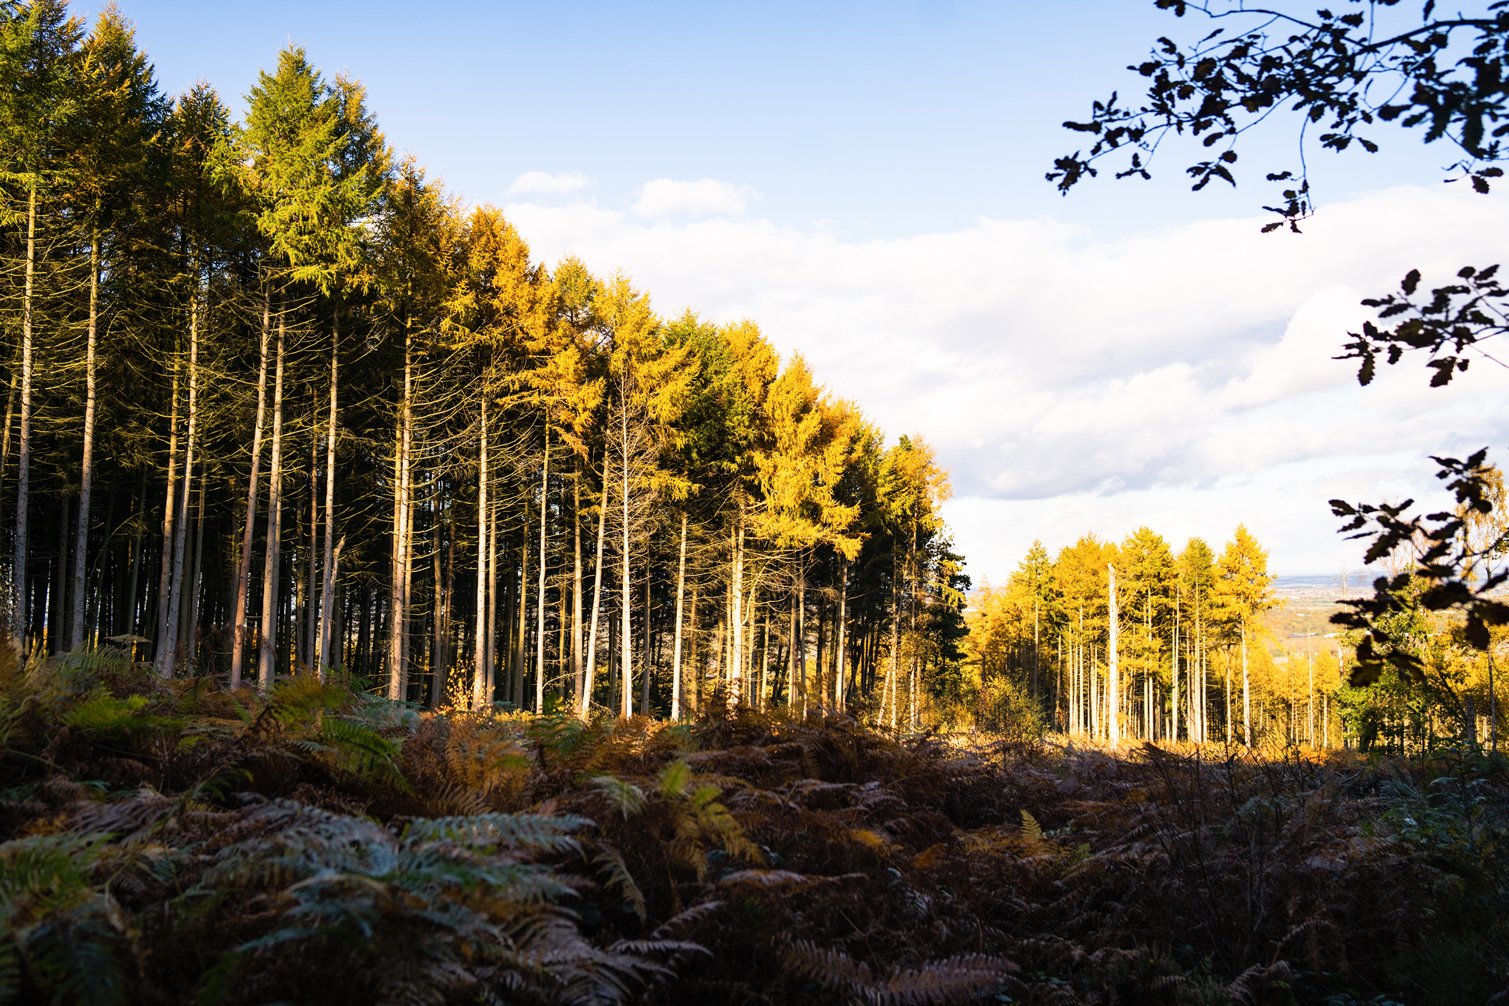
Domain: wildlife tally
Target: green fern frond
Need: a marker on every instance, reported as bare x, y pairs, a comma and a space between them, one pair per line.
623, 796
616, 877
530, 834
936, 983
673, 779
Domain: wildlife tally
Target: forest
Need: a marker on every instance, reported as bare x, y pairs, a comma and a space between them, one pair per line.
391, 617
278, 404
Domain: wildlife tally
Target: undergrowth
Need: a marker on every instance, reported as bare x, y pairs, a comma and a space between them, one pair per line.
167, 842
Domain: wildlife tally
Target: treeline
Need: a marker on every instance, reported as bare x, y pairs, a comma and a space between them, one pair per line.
1134, 641
1113, 642
277, 404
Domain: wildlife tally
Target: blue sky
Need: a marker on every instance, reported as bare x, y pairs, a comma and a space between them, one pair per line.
865, 180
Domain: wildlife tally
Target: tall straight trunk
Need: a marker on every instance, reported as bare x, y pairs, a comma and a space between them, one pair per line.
441, 616
801, 626
676, 648
521, 611
1246, 693
647, 658
895, 653
627, 705
479, 651
168, 646
597, 594
308, 602
195, 576
398, 601
492, 603
169, 513
1310, 701
267, 652
736, 614
576, 586
86, 466
23, 442
10, 415
1174, 670
1113, 726
243, 564
539, 592
841, 645
329, 552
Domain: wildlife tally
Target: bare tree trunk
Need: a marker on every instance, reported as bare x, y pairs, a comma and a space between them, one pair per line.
86, 467
23, 442
597, 594
243, 565
1113, 726
627, 699
479, 652
322, 659
1246, 693
840, 686
736, 615
266, 654
576, 586
398, 600
539, 629
169, 513
676, 650
168, 650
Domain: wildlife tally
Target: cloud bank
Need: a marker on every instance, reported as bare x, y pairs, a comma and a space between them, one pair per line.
543, 183
706, 197
1070, 382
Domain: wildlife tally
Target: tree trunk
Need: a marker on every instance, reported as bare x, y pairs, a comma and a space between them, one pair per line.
627, 705
398, 601
1113, 726
86, 467
576, 585
266, 654
539, 629
676, 649
479, 651
23, 442
169, 513
322, 660
243, 565
168, 644
1246, 693
597, 593
840, 646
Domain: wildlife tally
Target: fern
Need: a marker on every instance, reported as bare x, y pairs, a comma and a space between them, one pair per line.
624, 797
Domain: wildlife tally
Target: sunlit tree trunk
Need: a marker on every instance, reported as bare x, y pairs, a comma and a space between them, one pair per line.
841, 646
676, 649
23, 440
589, 675
403, 512
627, 693
1113, 725
329, 550
539, 631
576, 587
267, 653
479, 652
1246, 693
243, 564
86, 466
167, 648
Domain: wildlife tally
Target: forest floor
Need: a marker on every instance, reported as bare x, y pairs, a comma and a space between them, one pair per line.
167, 842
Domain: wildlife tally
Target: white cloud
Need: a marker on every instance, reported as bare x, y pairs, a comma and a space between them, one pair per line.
706, 197
543, 183
1181, 379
